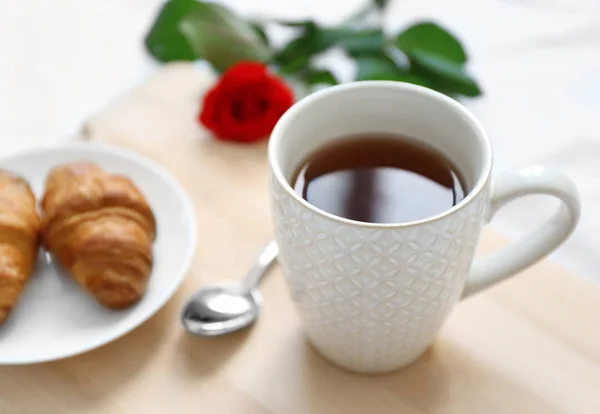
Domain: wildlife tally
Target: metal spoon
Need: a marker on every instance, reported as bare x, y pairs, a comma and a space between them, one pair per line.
225, 308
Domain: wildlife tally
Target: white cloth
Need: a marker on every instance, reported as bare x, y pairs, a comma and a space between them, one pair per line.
538, 61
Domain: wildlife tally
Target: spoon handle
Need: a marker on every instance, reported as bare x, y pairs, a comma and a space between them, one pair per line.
265, 260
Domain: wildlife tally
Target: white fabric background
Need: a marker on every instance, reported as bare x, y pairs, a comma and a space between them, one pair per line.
538, 61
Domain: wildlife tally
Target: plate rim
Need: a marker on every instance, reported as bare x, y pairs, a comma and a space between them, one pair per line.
174, 183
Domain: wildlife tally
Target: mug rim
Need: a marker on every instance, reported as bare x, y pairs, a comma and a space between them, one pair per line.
298, 107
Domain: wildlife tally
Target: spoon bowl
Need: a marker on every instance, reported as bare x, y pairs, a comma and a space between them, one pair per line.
219, 309
224, 308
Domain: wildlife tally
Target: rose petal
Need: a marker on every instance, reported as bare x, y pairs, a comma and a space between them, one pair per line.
246, 103
280, 93
208, 113
242, 75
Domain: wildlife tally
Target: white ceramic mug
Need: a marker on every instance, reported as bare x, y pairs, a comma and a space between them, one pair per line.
372, 297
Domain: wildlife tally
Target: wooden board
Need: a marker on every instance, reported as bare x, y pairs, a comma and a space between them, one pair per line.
530, 345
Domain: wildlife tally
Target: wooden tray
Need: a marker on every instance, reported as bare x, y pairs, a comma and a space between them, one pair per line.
530, 345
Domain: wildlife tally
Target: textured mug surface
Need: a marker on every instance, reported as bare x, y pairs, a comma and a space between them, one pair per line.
372, 297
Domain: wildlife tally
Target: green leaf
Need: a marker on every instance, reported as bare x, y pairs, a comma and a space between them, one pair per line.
363, 42
219, 36
313, 40
445, 74
164, 40
293, 65
260, 32
432, 39
319, 77
376, 67
301, 23
383, 67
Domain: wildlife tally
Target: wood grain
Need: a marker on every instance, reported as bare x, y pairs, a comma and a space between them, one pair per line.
530, 345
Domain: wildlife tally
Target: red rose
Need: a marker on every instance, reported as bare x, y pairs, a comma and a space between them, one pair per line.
246, 103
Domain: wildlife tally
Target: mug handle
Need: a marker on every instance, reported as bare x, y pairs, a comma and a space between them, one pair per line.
495, 267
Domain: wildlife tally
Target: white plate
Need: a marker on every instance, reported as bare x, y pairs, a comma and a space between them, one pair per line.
55, 318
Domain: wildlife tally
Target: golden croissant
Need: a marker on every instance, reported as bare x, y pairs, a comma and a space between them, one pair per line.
100, 228
19, 239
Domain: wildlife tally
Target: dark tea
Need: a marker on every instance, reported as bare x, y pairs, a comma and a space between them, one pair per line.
378, 178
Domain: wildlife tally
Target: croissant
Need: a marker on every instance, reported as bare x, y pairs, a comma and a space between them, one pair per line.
100, 228
19, 239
